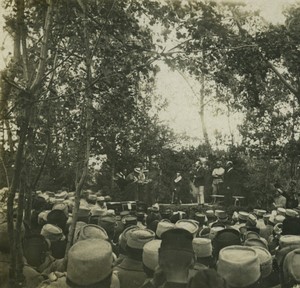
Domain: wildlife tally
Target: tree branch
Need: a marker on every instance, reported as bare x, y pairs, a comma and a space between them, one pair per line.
44, 48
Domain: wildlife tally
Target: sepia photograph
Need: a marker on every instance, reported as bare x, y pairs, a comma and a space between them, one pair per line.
149, 143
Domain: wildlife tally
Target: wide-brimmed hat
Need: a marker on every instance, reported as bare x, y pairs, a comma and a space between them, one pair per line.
265, 259
91, 231
139, 237
202, 247
53, 233
239, 266
188, 225
163, 226
89, 263
150, 254
291, 267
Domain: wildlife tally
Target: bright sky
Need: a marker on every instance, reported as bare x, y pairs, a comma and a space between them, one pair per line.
182, 111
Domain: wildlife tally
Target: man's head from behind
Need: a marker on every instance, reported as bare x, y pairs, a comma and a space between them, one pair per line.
176, 244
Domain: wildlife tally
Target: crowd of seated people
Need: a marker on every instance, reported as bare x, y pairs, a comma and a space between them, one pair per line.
155, 247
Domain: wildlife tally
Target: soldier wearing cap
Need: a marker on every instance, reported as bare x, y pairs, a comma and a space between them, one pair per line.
203, 253
176, 244
89, 265
130, 270
222, 218
239, 266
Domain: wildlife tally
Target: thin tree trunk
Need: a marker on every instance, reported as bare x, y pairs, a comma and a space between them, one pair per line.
88, 125
202, 110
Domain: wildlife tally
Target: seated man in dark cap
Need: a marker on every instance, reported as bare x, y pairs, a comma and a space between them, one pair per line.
176, 244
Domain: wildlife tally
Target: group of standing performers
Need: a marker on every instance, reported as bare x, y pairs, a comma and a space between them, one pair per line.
221, 181
144, 185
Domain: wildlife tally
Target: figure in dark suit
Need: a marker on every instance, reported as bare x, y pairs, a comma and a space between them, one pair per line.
231, 183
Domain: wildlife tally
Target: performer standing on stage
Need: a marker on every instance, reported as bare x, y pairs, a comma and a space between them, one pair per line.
199, 181
176, 195
218, 175
136, 180
231, 183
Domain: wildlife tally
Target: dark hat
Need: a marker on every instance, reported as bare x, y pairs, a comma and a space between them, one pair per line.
34, 249
129, 220
291, 226
177, 239
226, 237
57, 217
201, 218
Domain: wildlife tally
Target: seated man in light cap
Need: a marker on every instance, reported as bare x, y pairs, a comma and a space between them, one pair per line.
130, 270
89, 266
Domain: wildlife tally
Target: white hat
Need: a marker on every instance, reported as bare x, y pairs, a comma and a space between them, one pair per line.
291, 213
138, 238
288, 240
265, 259
243, 215
89, 262
92, 197
123, 238
101, 198
260, 212
281, 211
92, 231
239, 266
291, 267
279, 218
214, 230
43, 216
254, 242
83, 211
202, 247
61, 206
53, 233
163, 226
150, 254
190, 226
97, 211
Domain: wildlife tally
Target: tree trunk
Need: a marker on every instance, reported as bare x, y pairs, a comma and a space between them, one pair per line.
88, 125
202, 110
